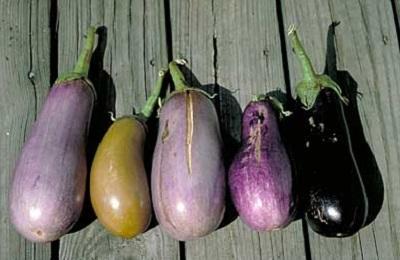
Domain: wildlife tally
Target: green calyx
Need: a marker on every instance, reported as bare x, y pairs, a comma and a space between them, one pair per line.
148, 108
179, 79
81, 69
274, 102
259, 97
308, 89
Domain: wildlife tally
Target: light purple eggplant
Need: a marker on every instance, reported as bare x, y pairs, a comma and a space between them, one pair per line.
188, 175
260, 177
48, 187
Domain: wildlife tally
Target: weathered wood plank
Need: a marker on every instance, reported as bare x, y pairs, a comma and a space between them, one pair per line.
135, 51
24, 80
367, 51
234, 49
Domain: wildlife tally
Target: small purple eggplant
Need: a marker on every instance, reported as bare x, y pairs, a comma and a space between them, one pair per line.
188, 175
260, 177
48, 187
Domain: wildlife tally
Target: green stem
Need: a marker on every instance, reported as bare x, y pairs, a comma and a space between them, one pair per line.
82, 65
177, 76
308, 70
148, 108
81, 69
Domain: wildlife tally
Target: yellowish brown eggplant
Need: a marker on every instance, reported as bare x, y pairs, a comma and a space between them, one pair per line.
119, 190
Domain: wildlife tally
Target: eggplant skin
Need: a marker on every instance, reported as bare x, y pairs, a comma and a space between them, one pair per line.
336, 204
188, 175
119, 190
260, 176
48, 186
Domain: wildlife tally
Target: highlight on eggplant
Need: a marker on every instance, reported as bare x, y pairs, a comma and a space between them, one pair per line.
260, 176
188, 174
48, 186
119, 190
335, 200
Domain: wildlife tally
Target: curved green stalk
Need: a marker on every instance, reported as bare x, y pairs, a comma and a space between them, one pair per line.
177, 76
81, 69
308, 89
148, 108
306, 65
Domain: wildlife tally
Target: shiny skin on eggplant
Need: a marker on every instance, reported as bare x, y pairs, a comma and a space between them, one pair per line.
188, 174
48, 186
335, 200
119, 189
260, 176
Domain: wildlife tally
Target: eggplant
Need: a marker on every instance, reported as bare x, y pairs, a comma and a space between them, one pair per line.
260, 176
188, 174
48, 186
119, 190
335, 200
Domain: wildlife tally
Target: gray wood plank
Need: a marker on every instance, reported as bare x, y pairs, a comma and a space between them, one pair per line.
135, 51
24, 80
367, 48
235, 45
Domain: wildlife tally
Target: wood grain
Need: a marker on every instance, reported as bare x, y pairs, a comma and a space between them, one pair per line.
135, 51
233, 48
25, 80
368, 52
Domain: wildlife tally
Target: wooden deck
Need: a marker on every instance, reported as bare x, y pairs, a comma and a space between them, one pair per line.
235, 48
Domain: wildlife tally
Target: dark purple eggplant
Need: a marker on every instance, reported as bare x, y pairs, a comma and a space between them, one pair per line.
188, 175
48, 186
335, 200
260, 176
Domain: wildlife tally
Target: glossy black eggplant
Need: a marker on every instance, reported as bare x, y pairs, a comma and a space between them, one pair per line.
335, 201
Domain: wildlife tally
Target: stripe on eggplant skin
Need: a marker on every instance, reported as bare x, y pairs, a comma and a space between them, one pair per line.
189, 129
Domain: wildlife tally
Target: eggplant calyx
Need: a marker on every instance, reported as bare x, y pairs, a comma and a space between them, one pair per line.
81, 69
179, 79
259, 97
308, 89
112, 116
278, 106
275, 103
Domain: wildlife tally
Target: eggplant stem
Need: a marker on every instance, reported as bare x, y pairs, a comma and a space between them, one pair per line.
308, 89
306, 65
81, 69
83, 63
148, 108
177, 76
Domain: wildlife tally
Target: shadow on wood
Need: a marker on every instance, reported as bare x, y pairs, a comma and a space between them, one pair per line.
101, 118
372, 178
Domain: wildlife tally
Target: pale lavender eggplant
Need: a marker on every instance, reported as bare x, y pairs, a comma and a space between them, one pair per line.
48, 187
188, 175
260, 177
